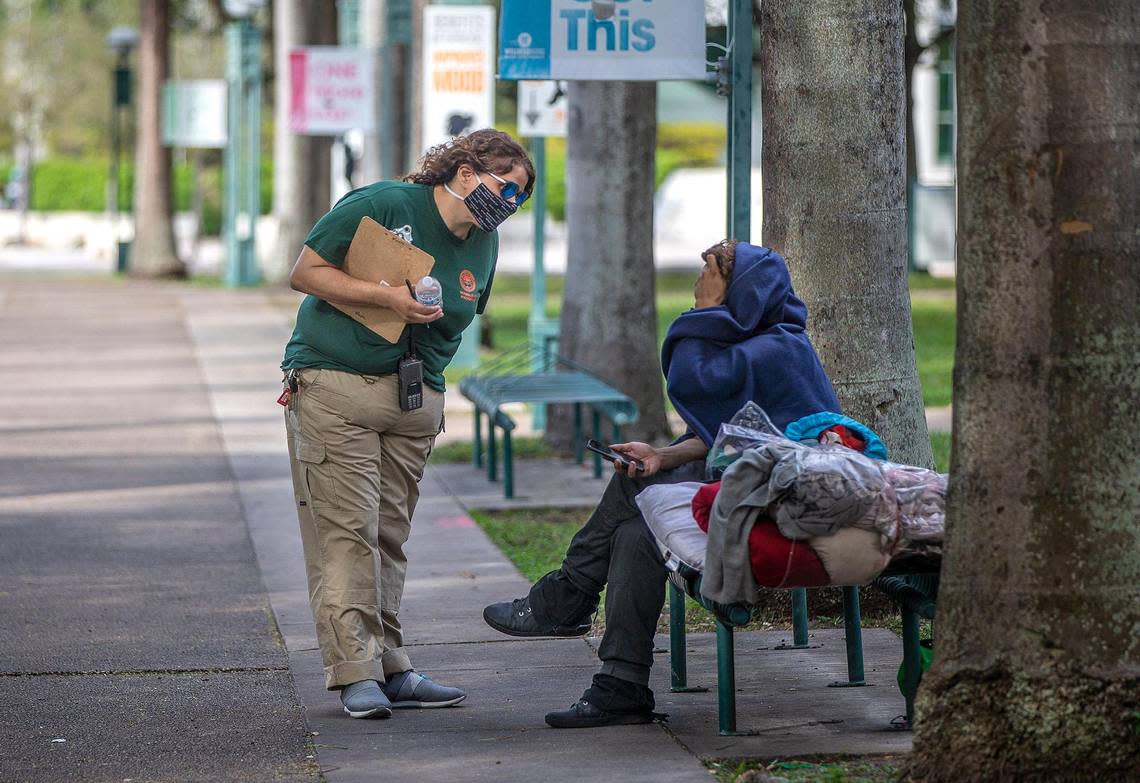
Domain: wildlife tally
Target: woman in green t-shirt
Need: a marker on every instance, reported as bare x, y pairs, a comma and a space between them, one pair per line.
357, 442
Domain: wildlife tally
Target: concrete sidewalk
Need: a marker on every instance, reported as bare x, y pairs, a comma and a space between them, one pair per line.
135, 634
454, 571
148, 524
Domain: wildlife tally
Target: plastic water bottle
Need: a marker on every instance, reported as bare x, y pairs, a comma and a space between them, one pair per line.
428, 292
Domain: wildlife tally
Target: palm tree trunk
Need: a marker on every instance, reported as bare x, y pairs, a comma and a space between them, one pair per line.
609, 308
153, 253
300, 163
834, 163
1037, 668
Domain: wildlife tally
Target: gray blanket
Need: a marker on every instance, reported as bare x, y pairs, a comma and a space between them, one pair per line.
807, 491
742, 498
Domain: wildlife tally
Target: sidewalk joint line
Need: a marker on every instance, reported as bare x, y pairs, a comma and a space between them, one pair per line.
146, 672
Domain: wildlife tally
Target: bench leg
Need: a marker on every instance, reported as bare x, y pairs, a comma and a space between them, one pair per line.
477, 444
492, 456
799, 621
853, 635
726, 678
508, 467
579, 455
678, 665
597, 435
912, 662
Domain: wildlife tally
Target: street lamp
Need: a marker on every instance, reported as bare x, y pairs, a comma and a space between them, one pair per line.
243, 143
121, 40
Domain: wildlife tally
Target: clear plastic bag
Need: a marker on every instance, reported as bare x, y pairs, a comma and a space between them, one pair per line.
749, 428
816, 489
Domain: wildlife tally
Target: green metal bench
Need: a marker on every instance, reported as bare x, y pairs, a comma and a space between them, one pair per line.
911, 582
510, 379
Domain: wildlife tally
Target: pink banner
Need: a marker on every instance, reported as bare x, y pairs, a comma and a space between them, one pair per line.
298, 73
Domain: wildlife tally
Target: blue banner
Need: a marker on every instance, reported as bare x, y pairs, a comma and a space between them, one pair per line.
622, 40
524, 39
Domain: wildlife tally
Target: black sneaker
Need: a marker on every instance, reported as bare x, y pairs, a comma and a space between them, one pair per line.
583, 715
515, 618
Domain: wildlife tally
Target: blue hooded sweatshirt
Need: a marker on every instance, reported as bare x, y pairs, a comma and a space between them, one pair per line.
752, 347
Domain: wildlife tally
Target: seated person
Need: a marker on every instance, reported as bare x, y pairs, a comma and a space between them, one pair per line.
744, 340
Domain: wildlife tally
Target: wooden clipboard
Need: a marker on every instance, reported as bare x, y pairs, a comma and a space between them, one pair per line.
379, 255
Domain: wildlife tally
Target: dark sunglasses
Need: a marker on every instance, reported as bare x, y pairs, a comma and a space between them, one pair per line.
510, 190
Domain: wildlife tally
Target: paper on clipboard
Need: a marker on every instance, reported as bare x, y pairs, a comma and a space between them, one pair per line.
378, 255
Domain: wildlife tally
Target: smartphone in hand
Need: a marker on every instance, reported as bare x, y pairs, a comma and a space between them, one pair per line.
611, 455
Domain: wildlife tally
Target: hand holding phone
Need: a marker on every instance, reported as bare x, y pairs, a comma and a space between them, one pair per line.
609, 454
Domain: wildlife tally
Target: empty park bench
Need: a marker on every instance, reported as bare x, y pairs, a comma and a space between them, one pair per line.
539, 376
911, 581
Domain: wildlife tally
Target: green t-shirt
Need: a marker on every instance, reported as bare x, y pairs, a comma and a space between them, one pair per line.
325, 337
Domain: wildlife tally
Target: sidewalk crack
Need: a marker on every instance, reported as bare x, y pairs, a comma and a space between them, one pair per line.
145, 672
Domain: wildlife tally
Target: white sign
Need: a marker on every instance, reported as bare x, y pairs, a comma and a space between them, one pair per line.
620, 40
458, 75
194, 113
542, 108
330, 90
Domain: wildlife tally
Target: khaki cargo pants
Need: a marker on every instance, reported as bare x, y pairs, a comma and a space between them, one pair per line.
357, 460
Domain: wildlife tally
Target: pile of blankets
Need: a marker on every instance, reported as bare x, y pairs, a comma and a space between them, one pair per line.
789, 514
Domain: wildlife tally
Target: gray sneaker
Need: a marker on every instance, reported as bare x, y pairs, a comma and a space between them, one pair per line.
412, 689
364, 699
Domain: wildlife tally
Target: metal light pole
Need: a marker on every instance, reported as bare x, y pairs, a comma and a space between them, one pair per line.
243, 146
120, 40
740, 120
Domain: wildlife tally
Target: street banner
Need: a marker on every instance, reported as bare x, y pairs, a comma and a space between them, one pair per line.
194, 113
618, 40
458, 71
330, 90
542, 108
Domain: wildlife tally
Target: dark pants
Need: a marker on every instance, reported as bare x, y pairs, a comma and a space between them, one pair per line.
614, 548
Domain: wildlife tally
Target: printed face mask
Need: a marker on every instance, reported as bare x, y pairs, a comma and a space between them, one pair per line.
488, 208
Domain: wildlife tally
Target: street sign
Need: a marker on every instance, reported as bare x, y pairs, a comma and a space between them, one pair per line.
458, 71
542, 108
330, 90
194, 113
604, 40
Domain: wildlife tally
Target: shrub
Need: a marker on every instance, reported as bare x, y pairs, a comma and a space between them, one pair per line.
80, 185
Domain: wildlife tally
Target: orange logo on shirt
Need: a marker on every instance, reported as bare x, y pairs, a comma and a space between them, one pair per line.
467, 281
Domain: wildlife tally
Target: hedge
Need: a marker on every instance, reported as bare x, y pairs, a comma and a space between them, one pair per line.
79, 185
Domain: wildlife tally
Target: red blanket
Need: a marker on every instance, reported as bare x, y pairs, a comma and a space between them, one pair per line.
776, 561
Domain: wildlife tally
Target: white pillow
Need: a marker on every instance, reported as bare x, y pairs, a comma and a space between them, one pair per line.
668, 510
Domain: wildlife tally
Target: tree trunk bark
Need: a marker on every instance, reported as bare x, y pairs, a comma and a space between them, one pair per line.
300, 163
1036, 674
834, 164
609, 308
152, 252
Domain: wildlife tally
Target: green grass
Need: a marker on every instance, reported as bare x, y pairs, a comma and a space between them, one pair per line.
868, 769
919, 281
934, 326
522, 448
932, 312
940, 443
534, 541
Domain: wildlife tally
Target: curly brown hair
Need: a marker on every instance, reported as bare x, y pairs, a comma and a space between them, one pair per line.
483, 150
724, 253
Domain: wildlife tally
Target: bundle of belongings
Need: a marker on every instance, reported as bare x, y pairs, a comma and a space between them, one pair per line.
815, 505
